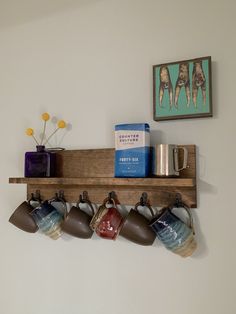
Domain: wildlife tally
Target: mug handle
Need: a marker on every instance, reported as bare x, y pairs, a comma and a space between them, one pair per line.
60, 198
109, 200
185, 161
190, 223
86, 202
146, 205
96, 219
35, 199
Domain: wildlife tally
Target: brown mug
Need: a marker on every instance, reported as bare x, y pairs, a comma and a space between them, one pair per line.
77, 222
22, 218
136, 227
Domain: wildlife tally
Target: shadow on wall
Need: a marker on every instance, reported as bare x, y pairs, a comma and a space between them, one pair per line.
14, 12
202, 187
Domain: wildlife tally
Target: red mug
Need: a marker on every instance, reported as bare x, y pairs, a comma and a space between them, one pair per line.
107, 221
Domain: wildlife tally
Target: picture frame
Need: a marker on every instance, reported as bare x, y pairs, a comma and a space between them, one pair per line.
182, 89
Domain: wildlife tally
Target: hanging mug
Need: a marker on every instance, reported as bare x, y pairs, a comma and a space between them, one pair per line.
22, 218
136, 227
48, 218
107, 221
176, 235
77, 222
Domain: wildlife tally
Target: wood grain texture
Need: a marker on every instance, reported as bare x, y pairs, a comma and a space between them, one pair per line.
93, 171
142, 182
127, 195
94, 163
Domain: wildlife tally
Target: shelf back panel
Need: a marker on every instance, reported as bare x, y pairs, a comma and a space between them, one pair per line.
100, 163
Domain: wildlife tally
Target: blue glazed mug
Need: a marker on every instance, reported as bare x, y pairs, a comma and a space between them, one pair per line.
176, 235
48, 220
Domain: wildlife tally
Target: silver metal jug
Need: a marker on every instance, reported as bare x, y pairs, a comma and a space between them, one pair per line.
165, 161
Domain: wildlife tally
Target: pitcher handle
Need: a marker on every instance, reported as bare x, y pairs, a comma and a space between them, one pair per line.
185, 161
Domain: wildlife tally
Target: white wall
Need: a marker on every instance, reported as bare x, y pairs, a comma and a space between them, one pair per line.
90, 62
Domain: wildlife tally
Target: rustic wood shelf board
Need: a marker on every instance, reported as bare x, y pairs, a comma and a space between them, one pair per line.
167, 182
93, 171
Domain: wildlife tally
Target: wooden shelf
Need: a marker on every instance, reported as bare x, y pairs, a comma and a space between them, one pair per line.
144, 182
92, 170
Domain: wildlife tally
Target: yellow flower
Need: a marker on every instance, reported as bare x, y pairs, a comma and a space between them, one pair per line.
61, 124
29, 132
45, 116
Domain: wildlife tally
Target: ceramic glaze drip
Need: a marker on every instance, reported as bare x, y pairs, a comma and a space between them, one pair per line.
48, 219
174, 234
110, 224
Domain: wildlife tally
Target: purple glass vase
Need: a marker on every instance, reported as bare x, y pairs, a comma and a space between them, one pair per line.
41, 163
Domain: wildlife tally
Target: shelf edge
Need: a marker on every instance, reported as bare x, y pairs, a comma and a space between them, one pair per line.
151, 182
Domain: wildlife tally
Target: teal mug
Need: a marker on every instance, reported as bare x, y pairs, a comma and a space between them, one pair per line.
176, 235
49, 219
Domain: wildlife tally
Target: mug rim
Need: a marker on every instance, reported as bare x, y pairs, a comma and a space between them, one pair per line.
162, 213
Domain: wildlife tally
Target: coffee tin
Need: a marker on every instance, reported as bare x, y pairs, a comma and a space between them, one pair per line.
132, 150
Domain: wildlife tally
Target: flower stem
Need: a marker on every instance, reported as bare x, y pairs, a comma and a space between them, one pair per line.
35, 140
51, 136
44, 130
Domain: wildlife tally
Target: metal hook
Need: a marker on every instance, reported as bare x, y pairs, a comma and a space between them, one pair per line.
62, 195
144, 202
111, 199
144, 199
178, 200
59, 197
38, 196
84, 198
111, 195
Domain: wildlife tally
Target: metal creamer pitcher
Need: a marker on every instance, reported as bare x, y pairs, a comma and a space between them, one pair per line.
165, 161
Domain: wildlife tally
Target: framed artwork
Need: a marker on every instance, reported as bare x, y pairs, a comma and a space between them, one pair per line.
182, 89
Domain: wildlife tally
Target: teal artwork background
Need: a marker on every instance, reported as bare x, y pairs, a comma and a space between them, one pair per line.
182, 109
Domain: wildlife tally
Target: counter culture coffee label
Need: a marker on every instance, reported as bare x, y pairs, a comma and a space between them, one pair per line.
132, 143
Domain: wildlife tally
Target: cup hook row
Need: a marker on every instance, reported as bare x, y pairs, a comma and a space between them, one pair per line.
59, 196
